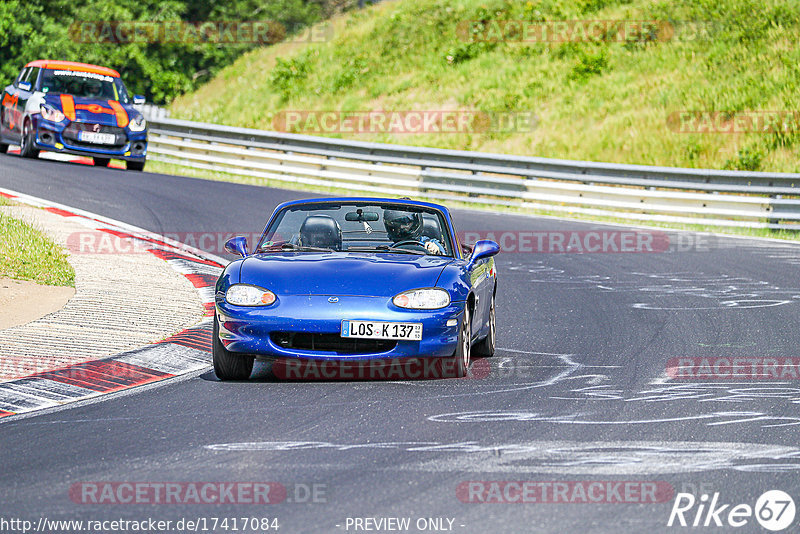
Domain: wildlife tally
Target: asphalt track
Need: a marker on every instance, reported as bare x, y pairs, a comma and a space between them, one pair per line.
577, 392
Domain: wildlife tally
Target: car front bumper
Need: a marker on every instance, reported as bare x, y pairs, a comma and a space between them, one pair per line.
252, 330
50, 136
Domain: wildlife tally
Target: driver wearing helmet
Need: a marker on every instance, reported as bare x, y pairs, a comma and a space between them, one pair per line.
93, 88
407, 226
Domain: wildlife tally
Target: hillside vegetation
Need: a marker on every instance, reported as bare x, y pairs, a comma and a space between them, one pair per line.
607, 99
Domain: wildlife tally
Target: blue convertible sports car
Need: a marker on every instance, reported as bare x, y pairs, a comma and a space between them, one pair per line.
73, 108
355, 280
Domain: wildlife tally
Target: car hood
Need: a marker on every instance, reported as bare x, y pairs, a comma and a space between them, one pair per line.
96, 111
341, 274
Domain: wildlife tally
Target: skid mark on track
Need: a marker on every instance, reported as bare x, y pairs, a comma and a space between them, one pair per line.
710, 419
672, 291
556, 457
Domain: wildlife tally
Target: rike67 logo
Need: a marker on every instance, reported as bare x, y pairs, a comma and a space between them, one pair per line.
774, 510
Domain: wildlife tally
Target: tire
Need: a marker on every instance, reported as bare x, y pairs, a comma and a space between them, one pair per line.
485, 349
461, 357
229, 365
26, 149
3, 146
135, 165
101, 162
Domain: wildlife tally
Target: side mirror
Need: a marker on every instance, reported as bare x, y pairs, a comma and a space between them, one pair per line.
138, 100
483, 249
237, 245
25, 86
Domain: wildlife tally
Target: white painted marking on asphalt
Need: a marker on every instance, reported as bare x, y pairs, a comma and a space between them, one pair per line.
557, 457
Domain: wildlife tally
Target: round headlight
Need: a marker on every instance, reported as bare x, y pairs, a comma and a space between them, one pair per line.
138, 124
247, 295
422, 299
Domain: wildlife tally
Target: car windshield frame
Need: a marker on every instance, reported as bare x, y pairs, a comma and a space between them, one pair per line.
113, 87
267, 244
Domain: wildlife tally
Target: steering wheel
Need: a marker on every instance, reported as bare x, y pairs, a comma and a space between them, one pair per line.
408, 242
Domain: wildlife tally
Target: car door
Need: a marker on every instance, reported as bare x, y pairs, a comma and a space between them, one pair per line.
481, 288
25, 88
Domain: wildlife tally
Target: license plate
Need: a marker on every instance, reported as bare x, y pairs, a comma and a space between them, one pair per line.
97, 138
382, 330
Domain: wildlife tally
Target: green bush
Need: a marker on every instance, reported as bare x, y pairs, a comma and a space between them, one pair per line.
48, 29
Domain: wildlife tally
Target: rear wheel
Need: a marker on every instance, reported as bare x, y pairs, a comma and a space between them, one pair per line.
229, 365
135, 165
485, 348
461, 357
26, 148
3, 148
101, 162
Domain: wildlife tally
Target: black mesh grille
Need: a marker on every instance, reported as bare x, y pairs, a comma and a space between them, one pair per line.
71, 133
331, 343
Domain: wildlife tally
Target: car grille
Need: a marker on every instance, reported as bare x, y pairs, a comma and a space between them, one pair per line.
71, 134
331, 343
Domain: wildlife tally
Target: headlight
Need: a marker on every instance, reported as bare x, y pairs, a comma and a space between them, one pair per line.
422, 299
138, 124
246, 295
51, 114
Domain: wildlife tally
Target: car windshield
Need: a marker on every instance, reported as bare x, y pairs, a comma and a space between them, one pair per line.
357, 226
83, 84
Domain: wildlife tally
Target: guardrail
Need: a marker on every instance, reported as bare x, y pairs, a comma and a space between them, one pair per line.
634, 192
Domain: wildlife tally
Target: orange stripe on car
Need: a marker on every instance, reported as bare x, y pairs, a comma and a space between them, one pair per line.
119, 111
68, 106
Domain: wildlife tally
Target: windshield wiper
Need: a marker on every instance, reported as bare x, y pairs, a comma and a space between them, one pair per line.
386, 248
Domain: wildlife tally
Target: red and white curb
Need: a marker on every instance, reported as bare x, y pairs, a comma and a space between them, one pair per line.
183, 353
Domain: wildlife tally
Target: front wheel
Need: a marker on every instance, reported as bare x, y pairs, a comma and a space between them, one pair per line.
3, 148
101, 162
229, 365
135, 165
26, 149
461, 357
485, 349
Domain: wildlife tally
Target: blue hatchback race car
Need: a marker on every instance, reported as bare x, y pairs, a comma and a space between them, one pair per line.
73, 108
337, 283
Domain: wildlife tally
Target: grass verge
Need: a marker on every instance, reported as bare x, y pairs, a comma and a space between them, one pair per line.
28, 254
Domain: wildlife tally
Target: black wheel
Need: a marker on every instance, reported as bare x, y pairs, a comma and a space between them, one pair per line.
485, 349
461, 356
101, 162
3, 146
135, 165
26, 149
229, 365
